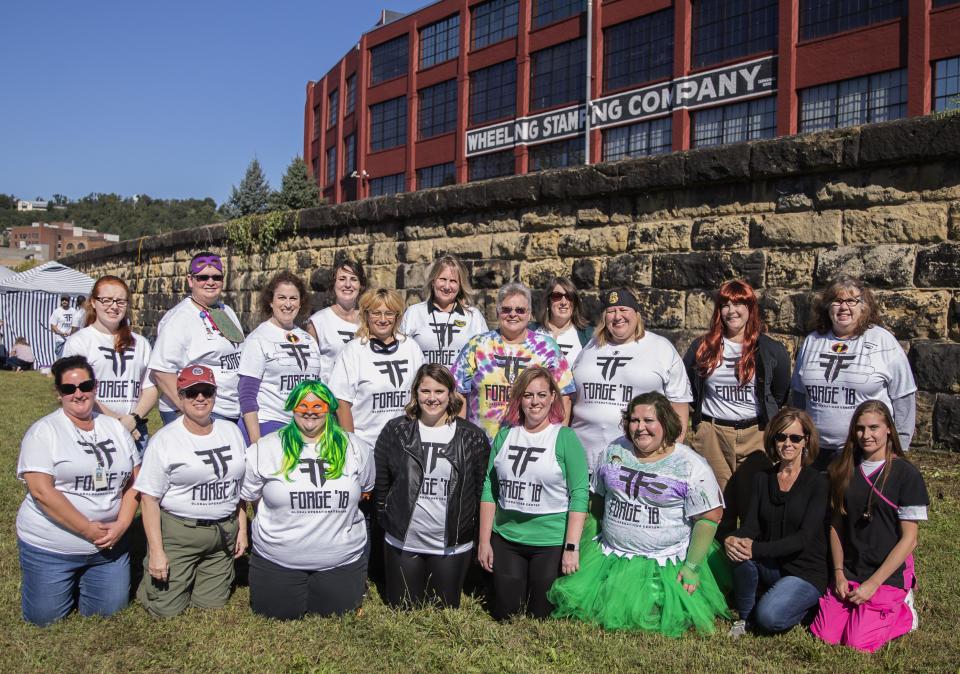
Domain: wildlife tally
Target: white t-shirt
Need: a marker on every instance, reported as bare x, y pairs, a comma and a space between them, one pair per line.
723, 395
441, 334
90, 468
121, 377
568, 341
80, 319
280, 359
529, 476
309, 522
333, 333
609, 376
63, 319
377, 385
184, 337
836, 375
194, 476
426, 533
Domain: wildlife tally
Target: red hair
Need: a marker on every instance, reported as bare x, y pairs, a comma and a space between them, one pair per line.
710, 351
514, 414
123, 339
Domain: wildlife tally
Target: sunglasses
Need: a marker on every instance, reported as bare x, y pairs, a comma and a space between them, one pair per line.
794, 438
203, 278
556, 297
316, 407
84, 386
194, 391
519, 311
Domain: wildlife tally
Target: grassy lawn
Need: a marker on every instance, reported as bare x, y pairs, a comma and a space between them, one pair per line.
383, 641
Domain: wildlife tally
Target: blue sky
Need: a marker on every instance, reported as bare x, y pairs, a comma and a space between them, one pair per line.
170, 99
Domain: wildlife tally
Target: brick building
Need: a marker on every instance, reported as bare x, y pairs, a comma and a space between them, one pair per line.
468, 89
60, 238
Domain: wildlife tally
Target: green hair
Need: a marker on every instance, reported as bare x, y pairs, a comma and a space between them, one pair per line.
332, 444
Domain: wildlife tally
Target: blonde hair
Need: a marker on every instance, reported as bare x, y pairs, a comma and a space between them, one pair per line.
602, 335
464, 294
373, 298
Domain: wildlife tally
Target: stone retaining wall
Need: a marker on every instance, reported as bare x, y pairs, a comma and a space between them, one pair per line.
879, 201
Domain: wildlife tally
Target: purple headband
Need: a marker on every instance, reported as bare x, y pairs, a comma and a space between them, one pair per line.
198, 263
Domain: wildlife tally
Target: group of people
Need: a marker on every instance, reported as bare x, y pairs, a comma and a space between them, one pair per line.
595, 473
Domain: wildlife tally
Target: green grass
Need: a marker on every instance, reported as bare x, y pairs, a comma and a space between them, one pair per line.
383, 641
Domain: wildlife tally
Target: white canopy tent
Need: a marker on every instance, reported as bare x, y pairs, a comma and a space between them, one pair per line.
27, 299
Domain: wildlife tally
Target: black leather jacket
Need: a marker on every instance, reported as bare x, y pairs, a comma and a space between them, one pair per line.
400, 458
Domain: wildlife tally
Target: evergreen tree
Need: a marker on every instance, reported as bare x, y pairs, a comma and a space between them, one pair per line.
297, 189
253, 195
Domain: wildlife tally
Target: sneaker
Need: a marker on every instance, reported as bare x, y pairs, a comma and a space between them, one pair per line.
738, 629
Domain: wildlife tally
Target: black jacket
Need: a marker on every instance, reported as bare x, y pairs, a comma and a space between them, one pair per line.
774, 370
399, 458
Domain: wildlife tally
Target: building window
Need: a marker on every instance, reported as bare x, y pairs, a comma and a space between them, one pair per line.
388, 124
875, 98
437, 112
727, 29
946, 84
440, 41
944, 3
735, 122
350, 154
638, 50
351, 102
493, 21
317, 112
826, 17
493, 92
546, 12
638, 140
331, 165
556, 155
493, 165
436, 176
558, 75
315, 164
386, 185
388, 60
333, 107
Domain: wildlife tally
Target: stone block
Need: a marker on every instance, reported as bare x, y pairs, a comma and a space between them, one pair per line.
920, 139
713, 200
661, 308
790, 268
383, 253
415, 251
884, 266
541, 245
796, 229
424, 229
573, 183
954, 229
718, 163
628, 269
793, 202
647, 173
491, 274
785, 311
911, 223
717, 233
660, 236
939, 266
513, 190
707, 269
509, 245
936, 365
923, 431
585, 273
827, 150
841, 195
946, 422
915, 314
536, 274
596, 241
466, 248
699, 310
384, 276
592, 217
484, 225
546, 219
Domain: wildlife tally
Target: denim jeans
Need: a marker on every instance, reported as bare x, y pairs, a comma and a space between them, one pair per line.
53, 583
784, 604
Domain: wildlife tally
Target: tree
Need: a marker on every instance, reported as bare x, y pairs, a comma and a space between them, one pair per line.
297, 189
8, 202
253, 195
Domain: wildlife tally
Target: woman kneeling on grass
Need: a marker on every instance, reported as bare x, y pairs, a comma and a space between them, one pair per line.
878, 500
653, 566
309, 536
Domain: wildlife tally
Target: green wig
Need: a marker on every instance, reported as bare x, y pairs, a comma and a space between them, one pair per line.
332, 443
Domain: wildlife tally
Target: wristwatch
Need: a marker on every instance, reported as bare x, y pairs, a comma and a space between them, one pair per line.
571, 547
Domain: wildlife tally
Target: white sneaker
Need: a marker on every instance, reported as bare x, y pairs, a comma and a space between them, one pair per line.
738, 629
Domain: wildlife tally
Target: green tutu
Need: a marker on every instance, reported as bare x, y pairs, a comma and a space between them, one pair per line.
618, 593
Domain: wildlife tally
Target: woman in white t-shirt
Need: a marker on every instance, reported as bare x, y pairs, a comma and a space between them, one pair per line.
276, 357
443, 323
849, 359
561, 317
621, 361
372, 375
78, 466
195, 522
309, 536
119, 358
336, 325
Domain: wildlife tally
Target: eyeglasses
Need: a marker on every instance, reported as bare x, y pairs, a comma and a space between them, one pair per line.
850, 302
203, 278
519, 311
194, 391
556, 297
85, 386
108, 301
794, 438
381, 314
315, 407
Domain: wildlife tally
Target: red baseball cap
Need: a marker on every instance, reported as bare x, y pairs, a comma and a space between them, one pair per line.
192, 375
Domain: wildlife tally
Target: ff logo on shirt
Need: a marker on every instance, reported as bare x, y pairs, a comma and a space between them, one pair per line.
298, 352
216, 457
512, 365
395, 369
635, 480
103, 451
316, 469
610, 364
834, 364
118, 359
435, 451
522, 456
445, 332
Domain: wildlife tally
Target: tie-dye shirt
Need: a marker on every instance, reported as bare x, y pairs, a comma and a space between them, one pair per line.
648, 508
487, 366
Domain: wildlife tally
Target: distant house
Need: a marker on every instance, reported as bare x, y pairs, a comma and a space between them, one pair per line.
23, 205
60, 238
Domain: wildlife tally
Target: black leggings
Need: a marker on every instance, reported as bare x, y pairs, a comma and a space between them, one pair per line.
522, 574
287, 594
414, 579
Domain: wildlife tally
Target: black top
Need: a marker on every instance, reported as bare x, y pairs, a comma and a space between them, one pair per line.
789, 528
866, 543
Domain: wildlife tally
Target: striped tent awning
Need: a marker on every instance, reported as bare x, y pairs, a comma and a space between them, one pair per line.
50, 277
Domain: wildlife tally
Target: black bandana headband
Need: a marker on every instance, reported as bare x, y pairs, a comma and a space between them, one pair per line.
620, 297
